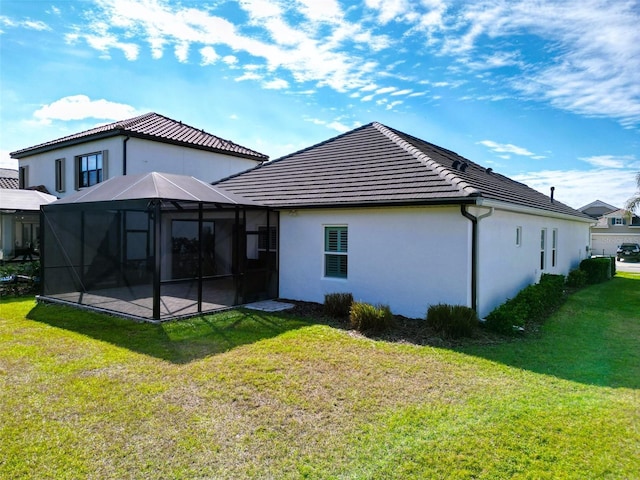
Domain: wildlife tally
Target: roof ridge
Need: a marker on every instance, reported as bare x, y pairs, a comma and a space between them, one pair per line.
427, 161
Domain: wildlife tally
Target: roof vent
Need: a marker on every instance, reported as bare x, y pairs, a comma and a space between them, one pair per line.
455, 164
489, 171
463, 166
553, 189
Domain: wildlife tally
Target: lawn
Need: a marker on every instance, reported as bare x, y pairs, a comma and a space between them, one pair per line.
250, 395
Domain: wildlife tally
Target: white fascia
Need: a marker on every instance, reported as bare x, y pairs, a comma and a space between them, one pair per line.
510, 207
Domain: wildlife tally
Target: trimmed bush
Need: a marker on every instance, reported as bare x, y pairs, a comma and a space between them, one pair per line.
532, 304
597, 269
366, 317
338, 304
454, 321
577, 278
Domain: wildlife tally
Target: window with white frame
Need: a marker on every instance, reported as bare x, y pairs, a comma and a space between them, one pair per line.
59, 174
554, 247
335, 251
543, 248
91, 169
518, 236
617, 221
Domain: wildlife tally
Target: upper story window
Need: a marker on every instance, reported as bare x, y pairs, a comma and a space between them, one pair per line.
618, 221
23, 177
518, 236
59, 174
90, 169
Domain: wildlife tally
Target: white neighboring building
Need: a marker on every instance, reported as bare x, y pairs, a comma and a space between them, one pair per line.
396, 220
612, 230
143, 144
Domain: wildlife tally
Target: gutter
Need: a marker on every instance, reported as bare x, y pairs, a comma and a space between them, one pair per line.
474, 251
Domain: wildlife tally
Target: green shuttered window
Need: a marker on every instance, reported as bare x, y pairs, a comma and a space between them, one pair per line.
335, 252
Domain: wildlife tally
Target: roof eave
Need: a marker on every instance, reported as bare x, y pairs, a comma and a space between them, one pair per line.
375, 204
28, 152
512, 207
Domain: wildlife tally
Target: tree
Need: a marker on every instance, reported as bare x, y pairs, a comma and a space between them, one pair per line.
633, 204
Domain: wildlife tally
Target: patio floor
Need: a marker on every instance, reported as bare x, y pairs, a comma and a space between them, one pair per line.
176, 300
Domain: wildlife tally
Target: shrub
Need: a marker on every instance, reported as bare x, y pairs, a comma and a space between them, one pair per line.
366, 317
454, 321
597, 269
533, 303
577, 278
337, 304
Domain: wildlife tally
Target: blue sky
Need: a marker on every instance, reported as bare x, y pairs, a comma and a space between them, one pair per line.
546, 92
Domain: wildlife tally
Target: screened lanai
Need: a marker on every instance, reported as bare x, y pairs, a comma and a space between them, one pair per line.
157, 246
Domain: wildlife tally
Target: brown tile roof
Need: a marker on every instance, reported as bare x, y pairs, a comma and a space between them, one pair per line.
151, 126
377, 165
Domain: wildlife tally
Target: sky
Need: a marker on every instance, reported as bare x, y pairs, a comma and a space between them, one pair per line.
545, 92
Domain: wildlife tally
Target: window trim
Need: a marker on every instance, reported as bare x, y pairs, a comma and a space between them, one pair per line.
341, 250
23, 177
103, 170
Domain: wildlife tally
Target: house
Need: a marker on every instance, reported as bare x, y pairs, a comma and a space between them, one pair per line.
612, 229
597, 208
375, 212
396, 220
143, 144
20, 223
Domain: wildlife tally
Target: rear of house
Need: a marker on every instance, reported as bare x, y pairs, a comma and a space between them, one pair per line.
396, 220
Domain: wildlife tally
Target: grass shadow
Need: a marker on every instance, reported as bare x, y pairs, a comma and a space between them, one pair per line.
594, 338
179, 341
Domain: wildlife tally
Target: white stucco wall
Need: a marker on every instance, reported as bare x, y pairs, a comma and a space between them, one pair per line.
407, 258
142, 156
505, 268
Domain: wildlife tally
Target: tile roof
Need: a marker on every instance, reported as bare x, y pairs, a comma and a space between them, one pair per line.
8, 178
150, 126
377, 165
24, 200
154, 185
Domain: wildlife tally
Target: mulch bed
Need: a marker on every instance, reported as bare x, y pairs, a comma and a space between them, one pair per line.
405, 330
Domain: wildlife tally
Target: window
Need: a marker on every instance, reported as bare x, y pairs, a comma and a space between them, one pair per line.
617, 221
91, 169
518, 236
23, 177
270, 239
554, 247
335, 252
59, 172
543, 248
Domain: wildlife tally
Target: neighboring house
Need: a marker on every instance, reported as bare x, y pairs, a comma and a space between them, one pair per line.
612, 229
8, 178
143, 144
20, 223
396, 220
597, 209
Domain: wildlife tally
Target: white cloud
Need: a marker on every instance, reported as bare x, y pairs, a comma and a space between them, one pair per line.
28, 24
610, 161
209, 55
577, 188
339, 127
248, 76
507, 148
79, 107
277, 84
6, 161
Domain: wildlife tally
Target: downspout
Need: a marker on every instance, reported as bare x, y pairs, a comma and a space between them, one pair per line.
124, 155
474, 251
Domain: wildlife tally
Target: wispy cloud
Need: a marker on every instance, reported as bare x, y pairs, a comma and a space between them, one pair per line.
578, 188
612, 161
80, 107
28, 24
507, 148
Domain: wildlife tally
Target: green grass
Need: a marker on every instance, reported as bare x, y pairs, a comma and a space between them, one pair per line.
249, 395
